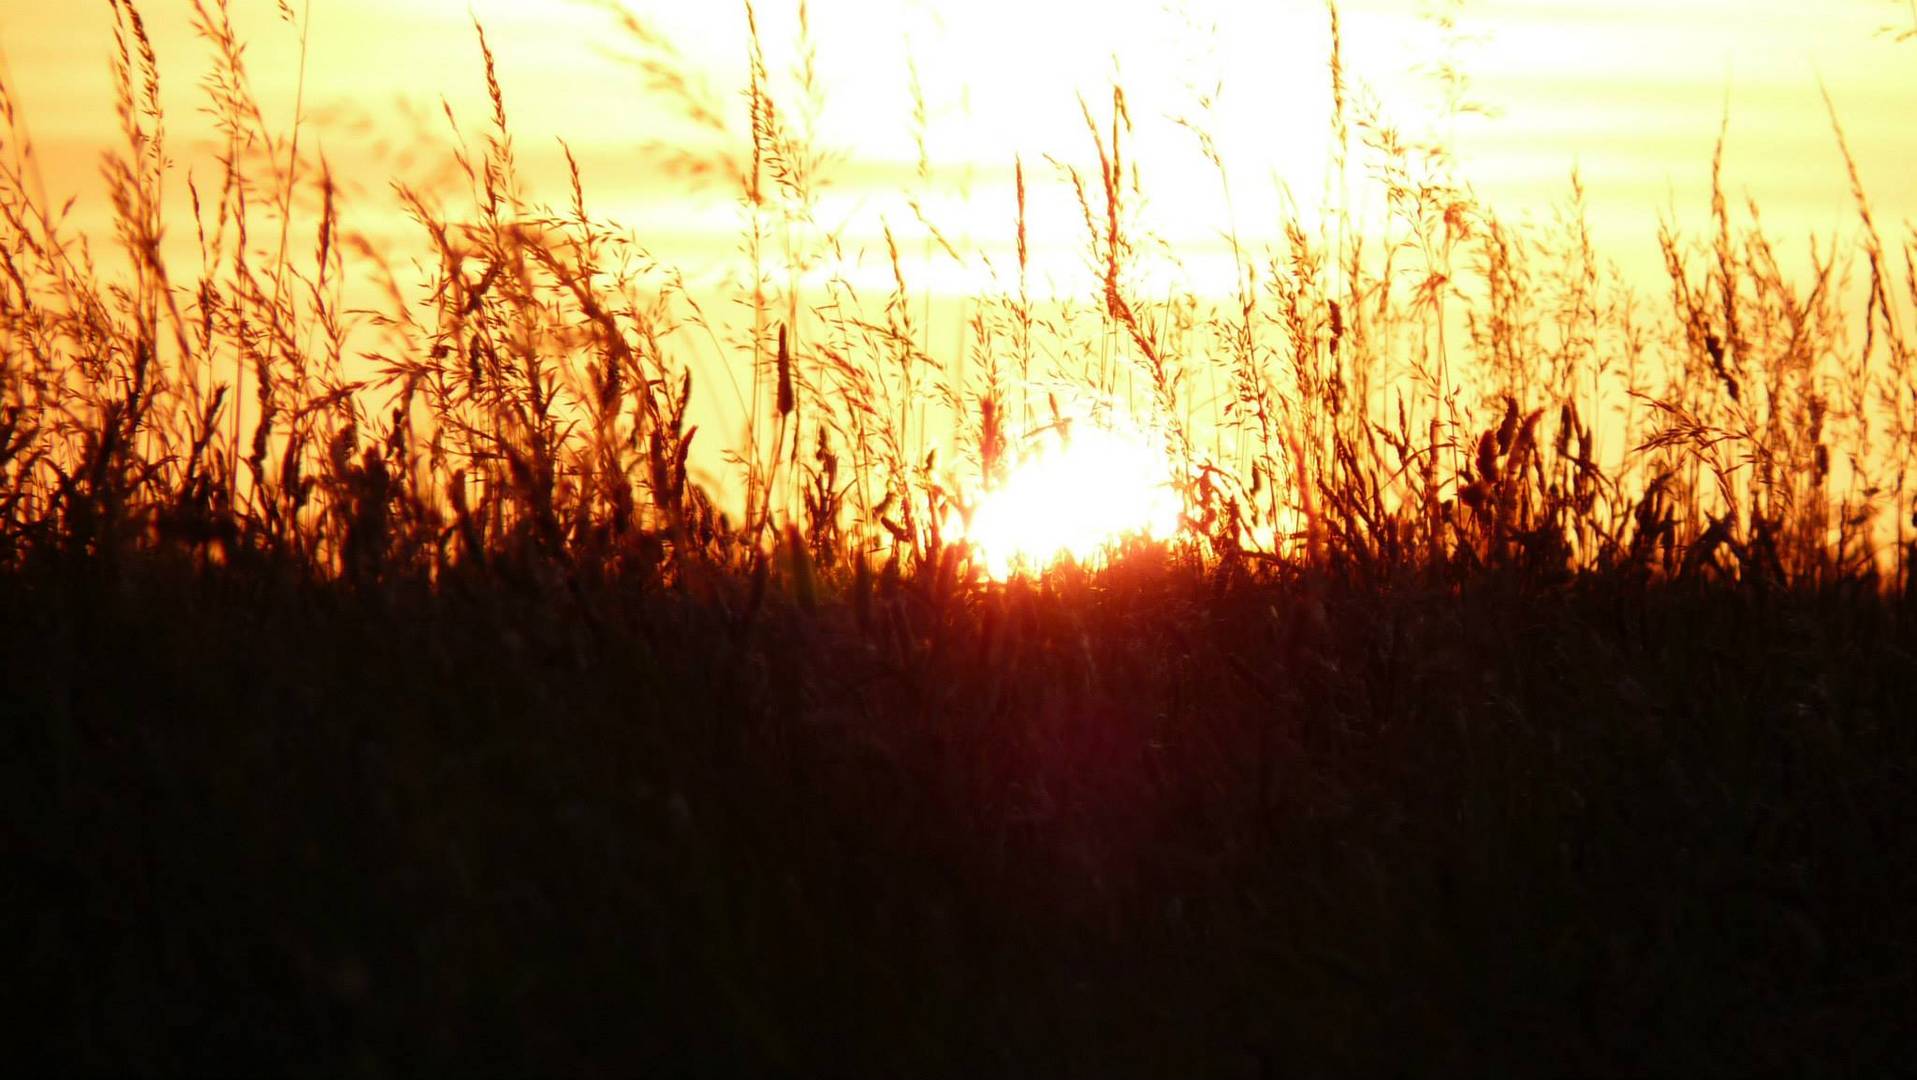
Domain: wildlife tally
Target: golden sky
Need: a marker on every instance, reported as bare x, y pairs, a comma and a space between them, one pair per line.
1630, 91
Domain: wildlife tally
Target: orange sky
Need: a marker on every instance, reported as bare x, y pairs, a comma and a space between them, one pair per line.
1629, 90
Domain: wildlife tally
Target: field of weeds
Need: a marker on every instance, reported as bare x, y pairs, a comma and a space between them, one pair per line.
1525, 686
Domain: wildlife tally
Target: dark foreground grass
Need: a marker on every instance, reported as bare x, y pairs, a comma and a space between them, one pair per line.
1136, 823
384, 690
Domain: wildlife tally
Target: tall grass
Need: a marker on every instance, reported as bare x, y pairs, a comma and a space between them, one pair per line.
1446, 391
383, 688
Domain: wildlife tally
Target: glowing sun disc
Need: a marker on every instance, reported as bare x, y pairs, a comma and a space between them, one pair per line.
1073, 500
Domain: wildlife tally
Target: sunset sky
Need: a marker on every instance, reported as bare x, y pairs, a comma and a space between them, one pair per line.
1630, 91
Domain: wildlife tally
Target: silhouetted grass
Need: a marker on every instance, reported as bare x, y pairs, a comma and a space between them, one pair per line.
1128, 824
408, 707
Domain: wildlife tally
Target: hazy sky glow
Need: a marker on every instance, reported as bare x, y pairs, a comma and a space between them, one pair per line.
924, 108
1631, 91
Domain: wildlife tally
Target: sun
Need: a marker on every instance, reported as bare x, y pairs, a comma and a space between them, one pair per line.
1087, 485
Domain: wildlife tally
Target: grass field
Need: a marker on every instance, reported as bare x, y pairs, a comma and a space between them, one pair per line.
1524, 687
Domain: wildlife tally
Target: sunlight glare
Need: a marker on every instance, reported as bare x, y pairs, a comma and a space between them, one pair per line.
1074, 498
